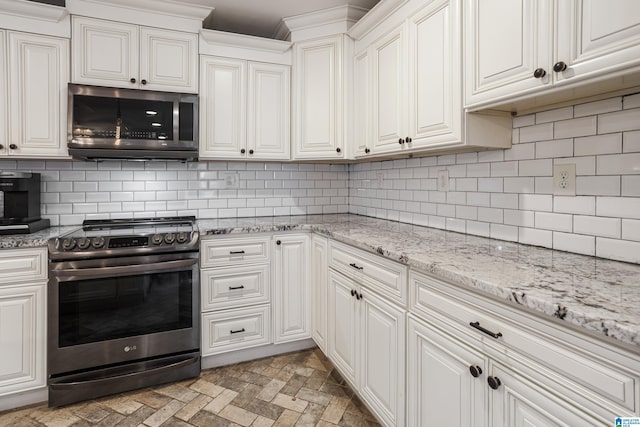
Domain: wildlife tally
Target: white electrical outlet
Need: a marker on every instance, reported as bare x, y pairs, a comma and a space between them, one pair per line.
443, 180
564, 179
380, 179
230, 180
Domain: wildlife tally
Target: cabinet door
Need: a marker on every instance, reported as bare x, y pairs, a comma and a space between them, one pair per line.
344, 325
597, 37
223, 100
389, 79
105, 53
319, 289
518, 402
168, 60
4, 111
382, 357
317, 112
268, 112
506, 40
291, 302
440, 387
435, 85
22, 338
362, 104
39, 73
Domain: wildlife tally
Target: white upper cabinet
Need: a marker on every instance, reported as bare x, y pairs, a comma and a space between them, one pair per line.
268, 114
223, 89
115, 54
362, 104
244, 109
34, 73
416, 85
389, 93
518, 49
318, 98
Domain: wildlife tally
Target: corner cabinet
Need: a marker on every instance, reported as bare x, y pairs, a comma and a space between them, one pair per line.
318, 98
244, 109
547, 44
414, 83
23, 279
34, 72
107, 53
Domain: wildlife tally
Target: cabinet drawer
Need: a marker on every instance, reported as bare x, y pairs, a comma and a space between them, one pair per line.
235, 329
234, 251
22, 265
569, 359
387, 277
229, 287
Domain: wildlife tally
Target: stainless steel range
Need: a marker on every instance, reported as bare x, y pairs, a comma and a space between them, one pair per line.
123, 307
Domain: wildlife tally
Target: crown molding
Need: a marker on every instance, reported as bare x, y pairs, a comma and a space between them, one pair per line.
374, 17
345, 15
168, 14
245, 41
33, 10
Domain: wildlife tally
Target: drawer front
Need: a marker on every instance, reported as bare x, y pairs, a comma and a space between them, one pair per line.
603, 382
229, 287
20, 265
234, 251
235, 329
387, 277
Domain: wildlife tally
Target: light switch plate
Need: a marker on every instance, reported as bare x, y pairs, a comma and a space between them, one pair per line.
443, 180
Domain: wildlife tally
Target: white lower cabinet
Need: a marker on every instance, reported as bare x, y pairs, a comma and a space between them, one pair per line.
255, 291
291, 290
366, 341
319, 289
22, 321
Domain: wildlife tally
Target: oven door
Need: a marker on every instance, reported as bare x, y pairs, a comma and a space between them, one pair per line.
109, 311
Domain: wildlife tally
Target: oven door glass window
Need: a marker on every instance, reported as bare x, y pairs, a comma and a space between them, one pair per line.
103, 309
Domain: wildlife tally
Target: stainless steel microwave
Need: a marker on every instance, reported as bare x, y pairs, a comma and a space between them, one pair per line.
111, 123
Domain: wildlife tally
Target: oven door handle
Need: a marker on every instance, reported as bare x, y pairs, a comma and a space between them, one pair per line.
123, 270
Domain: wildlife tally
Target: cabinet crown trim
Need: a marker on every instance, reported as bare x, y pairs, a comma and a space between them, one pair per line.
29, 9
374, 17
245, 41
347, 14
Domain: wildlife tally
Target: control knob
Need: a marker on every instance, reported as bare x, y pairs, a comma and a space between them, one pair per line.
97, 242
83, 243
156, 239
182, 237
68, 243
169, 238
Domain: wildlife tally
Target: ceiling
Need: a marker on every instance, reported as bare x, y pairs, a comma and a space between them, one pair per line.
261, 17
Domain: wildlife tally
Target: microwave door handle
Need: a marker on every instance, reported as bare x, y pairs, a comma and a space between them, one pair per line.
124, 270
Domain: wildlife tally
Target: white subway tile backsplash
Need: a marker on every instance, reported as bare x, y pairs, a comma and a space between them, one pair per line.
492, 215
618, 207
619, 164
536, 202
563, 113
631, 185
542, 167
631, 142
519, 218
631, 230
504, 232
575, 127
457, 225
522, 121
491, 185
478, 199
504, 169
584, 165
619, 121
610, 143
597, 226
534, 236
519, 185
542, 132
556, 148
554, 221
574, 243
575, 205
491, 156
480, 169
478, 228
544, 185
504, 200
631, 101
598, 107
622, 250
520, 152
598, 185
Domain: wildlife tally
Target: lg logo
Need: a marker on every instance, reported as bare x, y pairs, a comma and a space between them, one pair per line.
129, 348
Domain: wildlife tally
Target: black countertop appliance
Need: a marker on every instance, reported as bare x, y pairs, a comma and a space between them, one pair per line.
21, 203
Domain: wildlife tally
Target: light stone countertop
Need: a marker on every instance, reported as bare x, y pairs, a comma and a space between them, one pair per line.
599, 295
